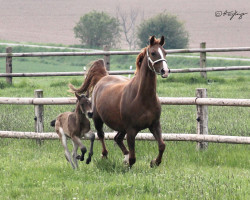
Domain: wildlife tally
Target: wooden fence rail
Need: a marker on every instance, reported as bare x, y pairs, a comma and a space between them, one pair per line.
109, 53
106, 54
164, 101
201, 101
189, 70
140, 136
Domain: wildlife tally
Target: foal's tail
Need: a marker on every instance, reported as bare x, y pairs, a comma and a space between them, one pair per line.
95, 73
52, 123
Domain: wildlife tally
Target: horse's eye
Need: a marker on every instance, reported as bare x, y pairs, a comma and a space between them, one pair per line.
153, 53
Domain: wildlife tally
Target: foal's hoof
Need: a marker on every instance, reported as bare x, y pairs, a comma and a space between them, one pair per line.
81, 158
154, 163
88, 161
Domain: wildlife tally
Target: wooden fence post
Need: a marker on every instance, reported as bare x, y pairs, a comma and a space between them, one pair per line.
202, 118
106, 58
39, 126
203, 60
9, 64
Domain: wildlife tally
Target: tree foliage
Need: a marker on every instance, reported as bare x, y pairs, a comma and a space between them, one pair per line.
96, 29
176, 36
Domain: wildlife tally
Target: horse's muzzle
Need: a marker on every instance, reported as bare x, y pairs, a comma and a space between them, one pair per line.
165, 73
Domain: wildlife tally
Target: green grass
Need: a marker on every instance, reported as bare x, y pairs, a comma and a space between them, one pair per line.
29, 171
221, 172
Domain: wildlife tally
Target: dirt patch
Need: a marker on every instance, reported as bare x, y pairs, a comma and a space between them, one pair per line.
53, 21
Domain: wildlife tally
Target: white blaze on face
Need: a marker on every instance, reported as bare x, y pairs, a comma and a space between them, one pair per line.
165, 65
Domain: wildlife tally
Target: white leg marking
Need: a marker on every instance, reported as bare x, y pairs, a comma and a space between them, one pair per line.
64, 139
74, 153
66, 150
126, 159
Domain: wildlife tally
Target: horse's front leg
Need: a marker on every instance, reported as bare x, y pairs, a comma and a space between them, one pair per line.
119, 140
156, 131
131, 145
99, 127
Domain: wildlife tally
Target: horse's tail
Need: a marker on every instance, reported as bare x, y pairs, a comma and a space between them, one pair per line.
53, 123
95, 73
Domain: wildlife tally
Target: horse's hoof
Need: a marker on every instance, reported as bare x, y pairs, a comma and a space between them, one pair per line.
104, 156
154, 163
126, 159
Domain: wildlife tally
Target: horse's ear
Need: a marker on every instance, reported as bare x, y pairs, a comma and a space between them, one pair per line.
152, 40
77, 96
162, 41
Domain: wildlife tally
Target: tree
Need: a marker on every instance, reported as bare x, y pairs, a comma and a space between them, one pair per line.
176, 36
96, 29
128, 24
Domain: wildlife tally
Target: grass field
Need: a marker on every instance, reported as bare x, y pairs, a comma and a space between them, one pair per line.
29, 171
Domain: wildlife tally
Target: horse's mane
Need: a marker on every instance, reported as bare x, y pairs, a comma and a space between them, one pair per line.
141, 56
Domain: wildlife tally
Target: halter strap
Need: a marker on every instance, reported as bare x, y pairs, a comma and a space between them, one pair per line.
154, 62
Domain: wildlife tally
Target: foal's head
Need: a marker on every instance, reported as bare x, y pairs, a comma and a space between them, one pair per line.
155, 55
83, 104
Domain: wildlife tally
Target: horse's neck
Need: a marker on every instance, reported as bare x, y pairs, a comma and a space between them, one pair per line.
146, 82
79, 114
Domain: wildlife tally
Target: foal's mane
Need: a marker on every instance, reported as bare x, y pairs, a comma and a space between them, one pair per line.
141, 56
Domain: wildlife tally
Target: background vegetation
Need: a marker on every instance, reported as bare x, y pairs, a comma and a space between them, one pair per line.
96, 29
221, 172
166, 25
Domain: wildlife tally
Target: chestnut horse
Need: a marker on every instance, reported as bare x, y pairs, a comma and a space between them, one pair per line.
128, 105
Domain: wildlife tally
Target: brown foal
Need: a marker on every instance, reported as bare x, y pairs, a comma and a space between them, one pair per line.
75, 125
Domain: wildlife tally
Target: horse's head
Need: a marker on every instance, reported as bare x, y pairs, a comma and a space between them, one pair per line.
84, 104
156, 57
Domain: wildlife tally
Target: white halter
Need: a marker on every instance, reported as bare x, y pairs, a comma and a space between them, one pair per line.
154, 62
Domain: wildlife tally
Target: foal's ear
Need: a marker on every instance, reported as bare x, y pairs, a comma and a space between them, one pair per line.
162, 41
152, 40
139, 59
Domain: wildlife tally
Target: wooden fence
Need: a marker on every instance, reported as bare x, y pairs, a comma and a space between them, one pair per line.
106, 54
201, 101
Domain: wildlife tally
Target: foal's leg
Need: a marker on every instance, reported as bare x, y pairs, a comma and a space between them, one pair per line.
78, 142
119, 140
74, 153
99, 127
91, 136
156, 130
131, 145
66, 150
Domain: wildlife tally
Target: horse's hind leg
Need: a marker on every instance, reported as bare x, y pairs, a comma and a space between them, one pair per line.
99, 128
156, 130
91, 136
119, 140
